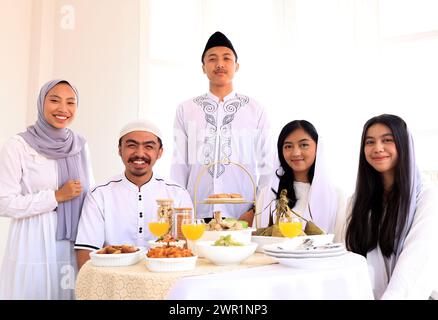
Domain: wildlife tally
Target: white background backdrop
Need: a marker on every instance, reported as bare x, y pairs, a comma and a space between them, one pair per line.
335, 63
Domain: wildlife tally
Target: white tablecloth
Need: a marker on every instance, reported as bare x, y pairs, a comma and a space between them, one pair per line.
346, 277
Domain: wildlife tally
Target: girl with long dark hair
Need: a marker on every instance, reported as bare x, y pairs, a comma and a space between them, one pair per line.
303, 174
394, 218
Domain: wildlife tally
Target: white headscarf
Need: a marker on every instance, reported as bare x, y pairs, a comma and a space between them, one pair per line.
415, 187
323, 198
67, 148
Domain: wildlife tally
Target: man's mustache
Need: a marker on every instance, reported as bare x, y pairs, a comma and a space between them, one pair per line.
146, 160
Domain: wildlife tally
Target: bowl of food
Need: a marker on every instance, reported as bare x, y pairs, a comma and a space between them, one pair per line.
116, 256
222, 253
219, 227
166, 241
170, 259
264, 240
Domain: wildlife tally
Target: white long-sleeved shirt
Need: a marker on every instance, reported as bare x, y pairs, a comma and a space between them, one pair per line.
207, 130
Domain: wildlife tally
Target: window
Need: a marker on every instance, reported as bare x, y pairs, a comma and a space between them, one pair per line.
335, 63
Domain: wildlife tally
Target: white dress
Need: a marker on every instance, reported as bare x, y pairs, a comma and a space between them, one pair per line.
35, 265
415, 275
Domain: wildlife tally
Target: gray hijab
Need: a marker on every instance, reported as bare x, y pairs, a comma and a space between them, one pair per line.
67, 148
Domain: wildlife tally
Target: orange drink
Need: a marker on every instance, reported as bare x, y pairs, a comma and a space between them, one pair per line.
159, 228
193, 231
290, 229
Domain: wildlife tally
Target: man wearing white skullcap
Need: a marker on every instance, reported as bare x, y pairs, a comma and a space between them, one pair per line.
141, 125
119, 210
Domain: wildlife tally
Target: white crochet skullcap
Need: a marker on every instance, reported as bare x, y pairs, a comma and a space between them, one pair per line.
141, 125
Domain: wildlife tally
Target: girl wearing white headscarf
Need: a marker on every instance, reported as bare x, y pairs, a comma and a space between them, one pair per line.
303, 174
393, 218
44, 175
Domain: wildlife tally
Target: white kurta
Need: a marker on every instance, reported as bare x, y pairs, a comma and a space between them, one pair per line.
415, 275
35, 265
118, 212
206, 131
302, 192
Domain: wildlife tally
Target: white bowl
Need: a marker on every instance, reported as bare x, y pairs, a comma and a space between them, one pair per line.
170, 264
155, 244
243, 235
225, 255
264, 240
117, 259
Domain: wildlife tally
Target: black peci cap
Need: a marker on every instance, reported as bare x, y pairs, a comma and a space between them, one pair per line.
218, 39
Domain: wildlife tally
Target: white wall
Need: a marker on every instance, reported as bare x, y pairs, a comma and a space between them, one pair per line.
97, 51
15, 19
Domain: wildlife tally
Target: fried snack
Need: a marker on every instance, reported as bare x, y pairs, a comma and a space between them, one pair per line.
167, 238
102, 251
169, 252
126, 248
111, 249
219, 195
225, 195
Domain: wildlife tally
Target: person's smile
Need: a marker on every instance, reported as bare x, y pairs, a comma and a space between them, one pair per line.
61, 118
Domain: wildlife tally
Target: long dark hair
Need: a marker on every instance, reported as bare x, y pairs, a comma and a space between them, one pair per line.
287, 178
370, 223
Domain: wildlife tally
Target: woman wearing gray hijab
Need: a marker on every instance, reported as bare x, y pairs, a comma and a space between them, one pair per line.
44, 175
393, 217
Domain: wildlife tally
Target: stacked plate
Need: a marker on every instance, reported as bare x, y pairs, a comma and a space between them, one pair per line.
304, 254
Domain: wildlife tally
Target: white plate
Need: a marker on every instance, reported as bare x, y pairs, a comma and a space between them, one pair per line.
224, 200
311, 263
276, 248
294, 243
116, 260
306, 255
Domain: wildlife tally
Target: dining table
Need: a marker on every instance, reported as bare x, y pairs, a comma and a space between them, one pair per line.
259, 277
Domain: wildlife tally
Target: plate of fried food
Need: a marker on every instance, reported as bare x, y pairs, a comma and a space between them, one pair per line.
170, 259
225, 198
116, 255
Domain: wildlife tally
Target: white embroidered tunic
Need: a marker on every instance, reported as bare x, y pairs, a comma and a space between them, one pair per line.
207, 130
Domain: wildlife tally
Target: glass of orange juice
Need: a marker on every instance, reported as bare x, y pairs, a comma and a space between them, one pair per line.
160, 227
290, 226
192, 229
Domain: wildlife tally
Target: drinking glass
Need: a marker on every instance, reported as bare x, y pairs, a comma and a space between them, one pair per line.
192, 229
290, 226
159, 227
